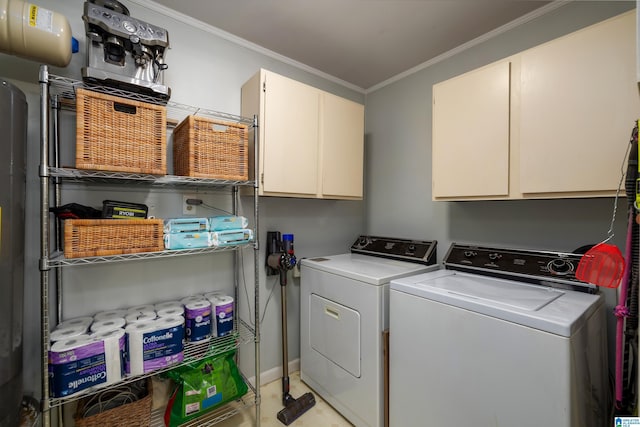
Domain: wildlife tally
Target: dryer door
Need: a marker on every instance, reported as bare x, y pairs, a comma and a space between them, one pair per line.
335, 333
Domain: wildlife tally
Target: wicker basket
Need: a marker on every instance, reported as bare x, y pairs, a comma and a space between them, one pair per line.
134, 414
101, 237
207, 148
118, 134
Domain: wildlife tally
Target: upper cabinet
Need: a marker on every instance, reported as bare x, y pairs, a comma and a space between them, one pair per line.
311, 143
553, 121
471, 134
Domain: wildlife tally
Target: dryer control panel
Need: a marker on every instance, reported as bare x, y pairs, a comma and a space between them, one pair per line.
418, 251
556, 269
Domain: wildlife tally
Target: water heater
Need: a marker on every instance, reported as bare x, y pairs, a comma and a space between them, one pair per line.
13, 141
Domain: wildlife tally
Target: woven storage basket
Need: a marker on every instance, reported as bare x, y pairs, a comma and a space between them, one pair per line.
208, 148
134, 414
118, 134
101, 237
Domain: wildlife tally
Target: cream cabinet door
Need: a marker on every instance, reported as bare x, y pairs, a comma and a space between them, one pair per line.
342, 147
579, 100
470, 144
290, 118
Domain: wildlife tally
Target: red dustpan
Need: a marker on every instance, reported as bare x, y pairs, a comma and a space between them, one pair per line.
602, 265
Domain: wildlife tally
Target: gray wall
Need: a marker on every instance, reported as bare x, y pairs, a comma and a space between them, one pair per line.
208, 70
398, 181
205, 70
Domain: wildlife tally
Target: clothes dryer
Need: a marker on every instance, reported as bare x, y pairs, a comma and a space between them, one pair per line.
344, 312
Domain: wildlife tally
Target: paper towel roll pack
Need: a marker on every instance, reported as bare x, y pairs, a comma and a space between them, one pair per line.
222, 309
154, 344
192, 298
76, 364
197, 316
214, 294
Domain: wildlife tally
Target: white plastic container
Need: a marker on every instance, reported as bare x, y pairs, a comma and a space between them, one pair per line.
33, 32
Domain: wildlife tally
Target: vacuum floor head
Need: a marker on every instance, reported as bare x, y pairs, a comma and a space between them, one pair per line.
295, 408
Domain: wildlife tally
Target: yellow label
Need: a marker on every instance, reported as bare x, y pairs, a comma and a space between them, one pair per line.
33, 15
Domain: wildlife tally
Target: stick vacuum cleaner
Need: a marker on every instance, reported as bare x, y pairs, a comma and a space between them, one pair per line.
281, 259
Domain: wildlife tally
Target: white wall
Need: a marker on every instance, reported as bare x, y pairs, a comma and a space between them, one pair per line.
205, 70
398, 128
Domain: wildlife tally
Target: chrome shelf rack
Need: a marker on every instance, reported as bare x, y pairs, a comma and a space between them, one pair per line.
57, 93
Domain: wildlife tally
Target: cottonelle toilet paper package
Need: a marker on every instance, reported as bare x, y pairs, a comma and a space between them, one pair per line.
76, 364
114, 354
68, 332
145, 309
108, 325
78, 321
135, 317
106, 315
154, 344
166, 305
171, 311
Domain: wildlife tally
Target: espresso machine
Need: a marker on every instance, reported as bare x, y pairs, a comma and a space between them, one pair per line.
124, 52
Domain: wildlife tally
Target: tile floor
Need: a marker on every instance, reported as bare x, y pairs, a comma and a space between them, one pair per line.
321, 415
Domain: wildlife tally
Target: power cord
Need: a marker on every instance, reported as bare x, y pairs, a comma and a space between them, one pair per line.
200, 202
114, 398
246, 292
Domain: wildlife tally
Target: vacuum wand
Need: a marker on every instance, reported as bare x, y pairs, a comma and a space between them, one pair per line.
281, 258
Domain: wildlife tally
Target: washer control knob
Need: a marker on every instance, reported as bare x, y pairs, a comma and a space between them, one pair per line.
411, 249
560, 266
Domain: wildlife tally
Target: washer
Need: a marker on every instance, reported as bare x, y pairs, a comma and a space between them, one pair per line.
344, 311
471, 347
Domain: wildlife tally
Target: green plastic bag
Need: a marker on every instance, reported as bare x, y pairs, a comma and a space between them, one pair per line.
203, 386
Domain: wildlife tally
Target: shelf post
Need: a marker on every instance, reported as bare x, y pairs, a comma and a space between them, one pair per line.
256, 266
44, 241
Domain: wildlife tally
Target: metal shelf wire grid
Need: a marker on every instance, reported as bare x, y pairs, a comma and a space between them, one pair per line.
66, 87
58, 260
136, 178
193, 352
227, 411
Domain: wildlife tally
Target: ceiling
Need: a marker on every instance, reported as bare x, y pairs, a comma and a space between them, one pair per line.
361, 42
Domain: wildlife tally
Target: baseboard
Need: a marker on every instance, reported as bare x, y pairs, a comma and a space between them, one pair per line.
274, 374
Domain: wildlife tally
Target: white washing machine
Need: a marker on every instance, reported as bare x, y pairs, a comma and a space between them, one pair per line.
343, 313
470, 347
